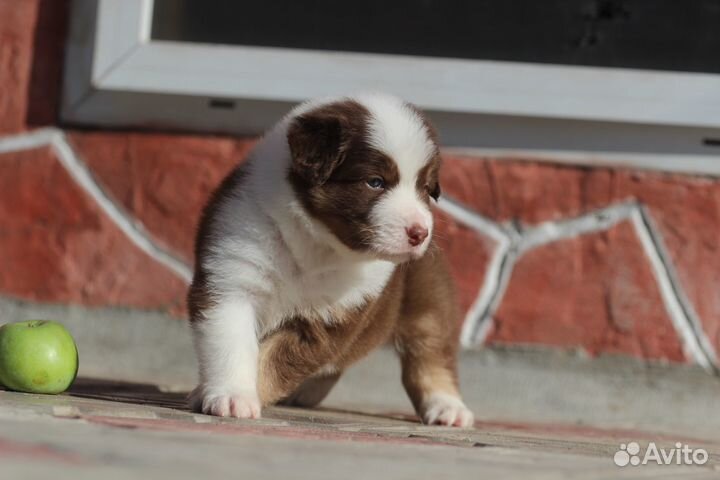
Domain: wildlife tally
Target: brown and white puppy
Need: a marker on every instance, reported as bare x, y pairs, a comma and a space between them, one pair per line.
317, 250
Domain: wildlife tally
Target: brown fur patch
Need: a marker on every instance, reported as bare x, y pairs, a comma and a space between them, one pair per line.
331, 165
320, 139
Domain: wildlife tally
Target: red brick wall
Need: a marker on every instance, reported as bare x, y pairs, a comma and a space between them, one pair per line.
610, 261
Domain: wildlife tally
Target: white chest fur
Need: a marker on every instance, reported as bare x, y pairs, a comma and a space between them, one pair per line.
333, 287
315, 280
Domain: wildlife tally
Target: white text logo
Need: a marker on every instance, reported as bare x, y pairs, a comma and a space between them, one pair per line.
629, 454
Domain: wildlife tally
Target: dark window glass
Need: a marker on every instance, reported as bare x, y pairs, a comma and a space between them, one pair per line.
678, 35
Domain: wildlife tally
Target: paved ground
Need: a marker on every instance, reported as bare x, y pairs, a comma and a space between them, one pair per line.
109, 429
106, 430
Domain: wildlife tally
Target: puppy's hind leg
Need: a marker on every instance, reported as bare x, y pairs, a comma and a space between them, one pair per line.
312, 391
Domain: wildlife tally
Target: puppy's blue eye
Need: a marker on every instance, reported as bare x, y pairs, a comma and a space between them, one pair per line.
376, 182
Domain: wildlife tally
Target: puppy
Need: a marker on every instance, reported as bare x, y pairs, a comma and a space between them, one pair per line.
317, 250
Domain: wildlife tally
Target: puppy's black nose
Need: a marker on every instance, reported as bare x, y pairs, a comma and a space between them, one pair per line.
416, 234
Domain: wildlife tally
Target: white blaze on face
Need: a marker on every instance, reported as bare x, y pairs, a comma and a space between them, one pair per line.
398, 212
403, 223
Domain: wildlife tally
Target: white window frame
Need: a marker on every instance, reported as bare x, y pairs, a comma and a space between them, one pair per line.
117, 76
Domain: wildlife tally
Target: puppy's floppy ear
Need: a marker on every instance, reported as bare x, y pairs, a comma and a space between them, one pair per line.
318, 142
436, 191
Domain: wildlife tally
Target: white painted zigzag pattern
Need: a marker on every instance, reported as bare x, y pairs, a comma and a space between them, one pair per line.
513, 242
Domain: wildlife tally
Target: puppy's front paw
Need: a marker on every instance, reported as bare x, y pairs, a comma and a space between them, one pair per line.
225, 403
448, 410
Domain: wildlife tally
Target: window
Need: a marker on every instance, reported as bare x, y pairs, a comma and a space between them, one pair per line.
633, 79
637, 34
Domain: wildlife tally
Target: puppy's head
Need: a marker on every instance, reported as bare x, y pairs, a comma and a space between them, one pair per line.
367, 167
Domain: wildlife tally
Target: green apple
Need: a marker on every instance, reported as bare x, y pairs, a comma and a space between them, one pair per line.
38, 356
